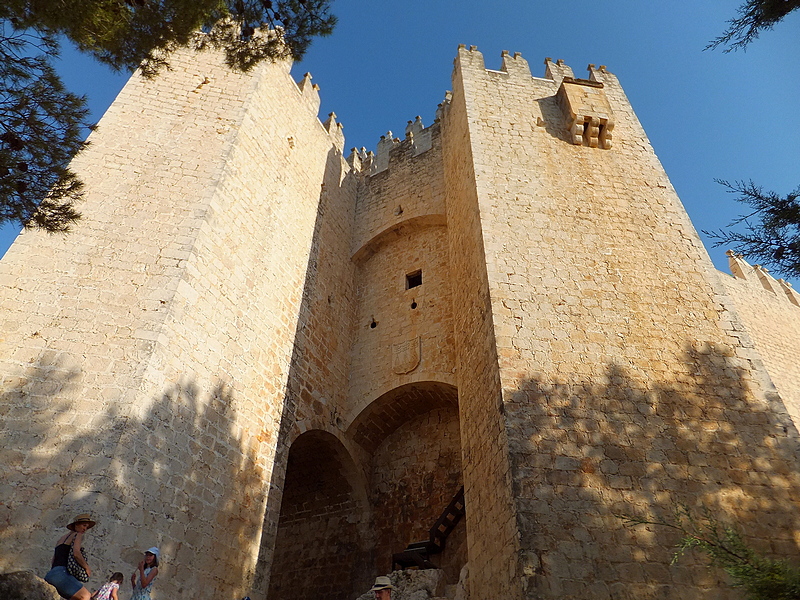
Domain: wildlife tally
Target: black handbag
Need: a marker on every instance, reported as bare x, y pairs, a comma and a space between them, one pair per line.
73, 568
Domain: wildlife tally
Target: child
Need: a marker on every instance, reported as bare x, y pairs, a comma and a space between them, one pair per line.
147, 571
109, 590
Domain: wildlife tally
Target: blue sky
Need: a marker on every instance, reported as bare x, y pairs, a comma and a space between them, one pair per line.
708, 114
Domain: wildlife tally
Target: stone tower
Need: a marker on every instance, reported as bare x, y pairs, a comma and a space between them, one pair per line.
280, 364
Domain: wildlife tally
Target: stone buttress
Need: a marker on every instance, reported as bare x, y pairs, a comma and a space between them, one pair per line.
602, 369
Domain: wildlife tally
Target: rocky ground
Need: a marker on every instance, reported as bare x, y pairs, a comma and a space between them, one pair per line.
25, 585
426, 584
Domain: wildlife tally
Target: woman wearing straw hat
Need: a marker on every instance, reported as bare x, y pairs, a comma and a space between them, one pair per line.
70, 543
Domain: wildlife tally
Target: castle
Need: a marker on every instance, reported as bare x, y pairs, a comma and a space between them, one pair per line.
280, 362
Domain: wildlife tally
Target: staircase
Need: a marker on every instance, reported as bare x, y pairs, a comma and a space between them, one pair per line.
417, 554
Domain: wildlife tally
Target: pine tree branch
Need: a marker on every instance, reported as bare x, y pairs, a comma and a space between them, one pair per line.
771, 234
754, 16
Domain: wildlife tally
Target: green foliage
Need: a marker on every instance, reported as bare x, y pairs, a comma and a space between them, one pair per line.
126, 34
760, 578
754, 16
772, 229
774, 239
254, 30
42, 124
41, 128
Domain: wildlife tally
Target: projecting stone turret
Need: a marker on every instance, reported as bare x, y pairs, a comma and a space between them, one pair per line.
588, 112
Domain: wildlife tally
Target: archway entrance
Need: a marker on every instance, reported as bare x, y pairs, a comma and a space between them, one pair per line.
413, 436
319, 549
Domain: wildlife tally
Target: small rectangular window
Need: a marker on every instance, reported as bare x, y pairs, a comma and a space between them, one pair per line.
414, 279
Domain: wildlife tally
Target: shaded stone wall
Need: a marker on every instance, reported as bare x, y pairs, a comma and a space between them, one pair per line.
360, 256
320, 545
316, 388
625, 387
416, 471
259, 220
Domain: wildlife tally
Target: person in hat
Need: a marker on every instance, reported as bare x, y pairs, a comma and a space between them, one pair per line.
147, 571
66, 584
382, 588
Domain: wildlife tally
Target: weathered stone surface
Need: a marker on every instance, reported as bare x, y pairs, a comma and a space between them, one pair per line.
25, 585
414, 584
623, 382
770, 311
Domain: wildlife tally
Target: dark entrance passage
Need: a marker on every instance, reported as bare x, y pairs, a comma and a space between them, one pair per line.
413, 435
319, 547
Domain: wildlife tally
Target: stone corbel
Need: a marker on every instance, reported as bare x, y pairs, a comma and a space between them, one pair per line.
587, 112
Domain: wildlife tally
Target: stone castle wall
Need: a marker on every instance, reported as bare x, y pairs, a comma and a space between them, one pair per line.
625, 388
146, 354
770, 312
280, 365
397, 340
403, 334
493, 541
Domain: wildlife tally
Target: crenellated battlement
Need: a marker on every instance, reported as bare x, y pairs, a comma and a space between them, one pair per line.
334, 129
417, 137
514, 65
469, 57
310, 98
557, 70
401, 186
309, 92
585, 106
418, 140
759, 276
588, 119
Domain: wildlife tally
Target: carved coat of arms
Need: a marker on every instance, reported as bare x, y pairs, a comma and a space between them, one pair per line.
405, 356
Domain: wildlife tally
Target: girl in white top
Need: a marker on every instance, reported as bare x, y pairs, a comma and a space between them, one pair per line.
146, 572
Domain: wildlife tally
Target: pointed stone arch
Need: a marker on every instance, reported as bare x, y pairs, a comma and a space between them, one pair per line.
412, 435
323, 535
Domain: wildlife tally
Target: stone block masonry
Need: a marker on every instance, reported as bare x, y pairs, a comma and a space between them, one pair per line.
624, 385
280, 364
146, 355
770, 312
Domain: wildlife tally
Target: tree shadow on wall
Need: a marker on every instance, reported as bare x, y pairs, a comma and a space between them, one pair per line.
174, 474
624, 444
34, 464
